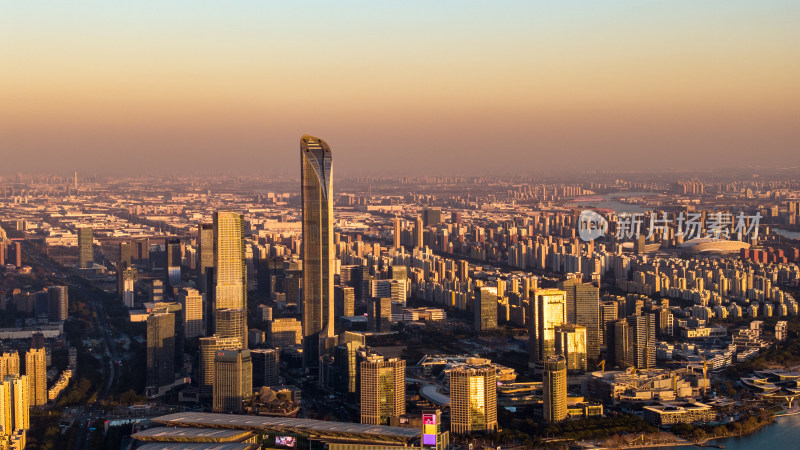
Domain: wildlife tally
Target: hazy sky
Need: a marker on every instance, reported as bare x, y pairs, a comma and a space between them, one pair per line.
397, 87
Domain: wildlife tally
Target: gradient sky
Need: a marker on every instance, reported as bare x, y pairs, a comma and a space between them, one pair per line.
397, 87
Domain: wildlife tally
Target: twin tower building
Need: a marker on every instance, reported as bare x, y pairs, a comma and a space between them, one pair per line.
229, 300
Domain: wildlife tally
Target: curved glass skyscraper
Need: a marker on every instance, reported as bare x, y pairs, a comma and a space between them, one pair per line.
318, 255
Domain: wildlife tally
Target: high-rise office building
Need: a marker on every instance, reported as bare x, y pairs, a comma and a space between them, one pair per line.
36, 371
397, 232
583, 308
643, 340
379, 315
125, 253
344, 378
318, 251
160, 349
571, 344
172, 246
419, 233
619, 349
233, 380
230, 277
485, 309
58, 302
266, 366
205, 253
344, 301
554, 389
587, 314
473, 398
85, 248
192, 302
383, 390
609, 312
208, 351
9, 364
140, 252
547, 311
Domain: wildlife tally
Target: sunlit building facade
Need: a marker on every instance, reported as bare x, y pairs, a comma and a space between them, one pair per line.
230, 277
473, 398
547, 311
318, 251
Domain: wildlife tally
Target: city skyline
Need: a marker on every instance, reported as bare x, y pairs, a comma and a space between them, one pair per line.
572, 224
201, 88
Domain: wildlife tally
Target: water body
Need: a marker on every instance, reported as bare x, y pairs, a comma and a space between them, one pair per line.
609, 201
784, 433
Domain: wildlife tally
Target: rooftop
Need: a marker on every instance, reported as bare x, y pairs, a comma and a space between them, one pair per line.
299, 426
186, 434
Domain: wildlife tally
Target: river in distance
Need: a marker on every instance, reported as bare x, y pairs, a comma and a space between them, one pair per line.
783, 434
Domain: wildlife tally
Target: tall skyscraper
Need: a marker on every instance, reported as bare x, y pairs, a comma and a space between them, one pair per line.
266, 366
344, 300
233, 380
57, 307
205, 252
473, 398
379, 315
160, 349
318, 251
230, 277
419, 233
36, 371
548, 310
345, 367
140, 252
571, 344
619, 345
125, 253
192, 303
208, 351
85, 247
583, 308
172, 246
383, 390
397, 231
554, 389
485, 309
642, 337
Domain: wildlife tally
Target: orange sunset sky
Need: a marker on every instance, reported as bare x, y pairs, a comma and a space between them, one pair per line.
398, 87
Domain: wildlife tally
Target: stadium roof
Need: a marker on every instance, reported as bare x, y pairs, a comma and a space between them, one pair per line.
288, 424
197, 446
187, 434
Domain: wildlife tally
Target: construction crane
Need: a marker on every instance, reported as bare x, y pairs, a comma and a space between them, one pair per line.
602, 365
